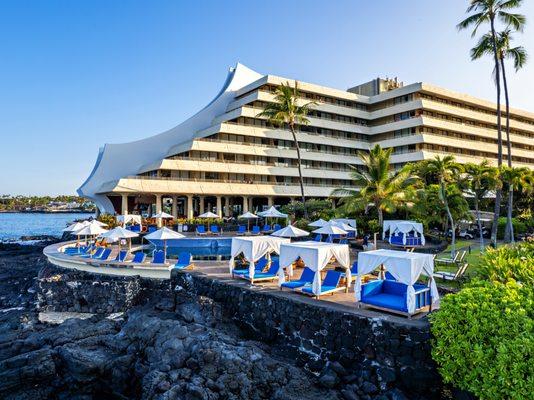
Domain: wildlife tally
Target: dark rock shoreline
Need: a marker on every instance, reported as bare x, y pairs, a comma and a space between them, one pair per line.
151, 347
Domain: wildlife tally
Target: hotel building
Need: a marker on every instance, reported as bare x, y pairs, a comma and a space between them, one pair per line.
228, 160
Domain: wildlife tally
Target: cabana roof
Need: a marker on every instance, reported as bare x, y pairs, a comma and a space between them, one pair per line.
404, 266
316, 256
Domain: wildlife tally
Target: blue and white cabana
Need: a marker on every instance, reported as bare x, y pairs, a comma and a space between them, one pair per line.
133, 219
253, 248
403, 233
316, 256
403, 294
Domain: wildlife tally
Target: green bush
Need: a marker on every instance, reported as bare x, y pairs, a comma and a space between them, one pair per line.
303, 224
509, 263
484, 340
519, 227
109, 220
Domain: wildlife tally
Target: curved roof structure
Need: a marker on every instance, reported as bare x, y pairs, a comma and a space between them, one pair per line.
114, 161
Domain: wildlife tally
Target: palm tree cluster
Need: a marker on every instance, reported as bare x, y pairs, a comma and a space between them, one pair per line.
498, 45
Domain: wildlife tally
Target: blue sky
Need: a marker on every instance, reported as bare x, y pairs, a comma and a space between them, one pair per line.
76, 75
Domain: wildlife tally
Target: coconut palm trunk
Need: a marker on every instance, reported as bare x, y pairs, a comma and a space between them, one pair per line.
479, 224
299, 164
449, 215
498, 192
509, 231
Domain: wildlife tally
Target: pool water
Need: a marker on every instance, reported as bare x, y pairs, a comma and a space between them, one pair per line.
200, 248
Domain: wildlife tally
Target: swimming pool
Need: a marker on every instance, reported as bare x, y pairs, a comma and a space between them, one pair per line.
200, 248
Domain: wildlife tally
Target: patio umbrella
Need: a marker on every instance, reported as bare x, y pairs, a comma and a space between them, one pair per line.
97, 222
163, 214
272, 213
90, 229
319, 223
74, 227
289, 232
164, 234
248, 216
208, 214
343, 225
330, 230
120, 233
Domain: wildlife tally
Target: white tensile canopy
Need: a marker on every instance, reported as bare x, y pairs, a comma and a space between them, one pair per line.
330, 229
90, 230
316, 256
340, 224
76, 226
124, 219
348, 221
404, 266
318, 224
208, 214
253, 248
163, 214
290, 231
248, 215
401, 226
272, 213
99, 223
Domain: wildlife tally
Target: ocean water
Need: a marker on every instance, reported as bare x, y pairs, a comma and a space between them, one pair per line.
15, 225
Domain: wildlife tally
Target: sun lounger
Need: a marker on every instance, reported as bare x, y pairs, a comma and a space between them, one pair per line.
318, 238
201, 230
458, 257
97, 253
305, 279
450, 275
343, 241
121, 257
214, 230
258, 267
255, 230
138, 258
270, 275
158, 257
241, 230
330, 239
328, 286
276, 227
104, 256
184, 261
266, 228
353, 271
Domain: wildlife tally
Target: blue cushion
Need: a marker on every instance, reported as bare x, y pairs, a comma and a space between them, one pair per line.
139, 257
387, 300
323, 289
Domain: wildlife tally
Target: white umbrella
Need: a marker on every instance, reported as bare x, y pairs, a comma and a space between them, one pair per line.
119, 233
248, 216
330, 230
342, 225
273, 213
319, 223
90, 230
74, 227
164, 234
290, 231
163, 215
208, 214
97, 222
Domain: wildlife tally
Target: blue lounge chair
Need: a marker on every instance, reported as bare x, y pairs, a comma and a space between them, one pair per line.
241, 230
305, 279
266, 228
104, 256
351, 234
329, 284
158, 257
329, 239
201, 230
184, 261
270, 275
258, 267
214, 229
353, 271
121, 257
151, 228
97, 253
276, 227
255, 230
343, 241
134, 228
317, 238
138, 258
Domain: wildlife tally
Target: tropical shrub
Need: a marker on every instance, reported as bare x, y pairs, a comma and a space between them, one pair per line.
109, 220
509, 263
484, 340
316, 209
519, 227
303, 224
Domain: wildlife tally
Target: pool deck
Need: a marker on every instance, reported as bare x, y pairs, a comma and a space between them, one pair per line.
218, 270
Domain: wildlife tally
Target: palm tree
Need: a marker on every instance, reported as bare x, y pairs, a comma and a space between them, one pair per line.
481, 178
446, 170
285, 110
519, 57
514, 178
379, 185
488, 11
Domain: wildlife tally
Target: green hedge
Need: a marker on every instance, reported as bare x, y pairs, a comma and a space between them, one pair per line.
509, 263
484, 340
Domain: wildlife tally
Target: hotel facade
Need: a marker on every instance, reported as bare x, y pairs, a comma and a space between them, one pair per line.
227, 160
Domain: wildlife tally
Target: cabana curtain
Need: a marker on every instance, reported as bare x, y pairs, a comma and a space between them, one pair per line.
253, 248
405, 268
129, 218
315, 256
404, 227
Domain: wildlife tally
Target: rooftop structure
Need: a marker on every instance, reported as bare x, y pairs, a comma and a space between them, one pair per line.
225, 159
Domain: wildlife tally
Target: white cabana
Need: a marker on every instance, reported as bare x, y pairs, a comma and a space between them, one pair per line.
395, 227
316, 256
290, 231
253, 248
330, 229
134, 218
208, 214
272, 213
318, 224
404, 266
